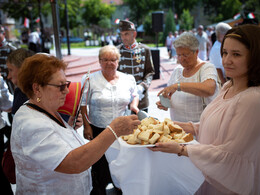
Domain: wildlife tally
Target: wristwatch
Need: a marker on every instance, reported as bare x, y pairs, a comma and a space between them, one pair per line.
178, 86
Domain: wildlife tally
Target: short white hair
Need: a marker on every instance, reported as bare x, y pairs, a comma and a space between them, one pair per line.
187, 40
222, 28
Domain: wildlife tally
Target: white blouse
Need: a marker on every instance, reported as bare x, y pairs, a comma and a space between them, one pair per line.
185, 106
38, 146
106, 101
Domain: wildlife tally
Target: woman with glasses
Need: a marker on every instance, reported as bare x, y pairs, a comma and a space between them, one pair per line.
193, 83
109, 95
50, 156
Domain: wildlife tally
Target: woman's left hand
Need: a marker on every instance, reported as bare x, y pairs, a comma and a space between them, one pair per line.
168, 147
79, 122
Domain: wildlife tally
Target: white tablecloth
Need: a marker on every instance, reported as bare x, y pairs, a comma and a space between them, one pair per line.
140, 171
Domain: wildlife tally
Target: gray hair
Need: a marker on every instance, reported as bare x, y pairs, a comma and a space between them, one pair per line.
222, 28
187, 40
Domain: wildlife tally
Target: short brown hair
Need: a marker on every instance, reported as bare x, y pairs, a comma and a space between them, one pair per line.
17, 57
38, 69
248, 35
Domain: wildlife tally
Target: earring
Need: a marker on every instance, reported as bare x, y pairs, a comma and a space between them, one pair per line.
38, 100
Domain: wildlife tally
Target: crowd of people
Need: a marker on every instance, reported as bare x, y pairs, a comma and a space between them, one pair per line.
213, 94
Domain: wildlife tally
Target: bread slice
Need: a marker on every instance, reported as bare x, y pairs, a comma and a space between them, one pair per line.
154, 138
144, 135
188, 137
175, 128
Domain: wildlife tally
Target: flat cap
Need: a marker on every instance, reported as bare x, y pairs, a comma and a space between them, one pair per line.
125, 25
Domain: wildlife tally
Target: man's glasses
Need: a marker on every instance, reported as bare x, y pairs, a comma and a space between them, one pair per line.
108, 60
62, 87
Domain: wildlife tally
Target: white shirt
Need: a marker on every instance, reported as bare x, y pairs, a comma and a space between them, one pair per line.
39, 145
34, 37
185, 106
107, 101
215, 56
6, 100
203, 40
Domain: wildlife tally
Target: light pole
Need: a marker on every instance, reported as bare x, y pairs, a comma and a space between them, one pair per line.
30, 7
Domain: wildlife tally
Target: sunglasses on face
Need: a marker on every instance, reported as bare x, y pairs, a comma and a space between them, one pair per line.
62, 87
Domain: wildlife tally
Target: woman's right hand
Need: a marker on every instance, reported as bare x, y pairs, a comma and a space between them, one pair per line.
160, 106
88, 132
124, 125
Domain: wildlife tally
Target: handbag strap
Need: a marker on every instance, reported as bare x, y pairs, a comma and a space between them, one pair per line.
45, 112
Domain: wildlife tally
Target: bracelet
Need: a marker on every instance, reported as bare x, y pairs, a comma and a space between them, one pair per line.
178, 86
110, 128
182, 150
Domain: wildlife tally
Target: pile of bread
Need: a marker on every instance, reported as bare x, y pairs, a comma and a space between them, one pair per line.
151, 131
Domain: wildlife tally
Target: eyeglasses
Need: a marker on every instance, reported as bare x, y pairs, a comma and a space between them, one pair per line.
62, 87
108, 60
184, 55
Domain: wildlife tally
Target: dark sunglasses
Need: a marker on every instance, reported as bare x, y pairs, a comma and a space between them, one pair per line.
62, 87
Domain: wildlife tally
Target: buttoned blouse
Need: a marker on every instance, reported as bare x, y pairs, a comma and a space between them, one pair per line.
106, 101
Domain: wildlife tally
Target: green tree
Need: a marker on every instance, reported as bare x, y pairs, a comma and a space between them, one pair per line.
170, 25
177, 6
186, 20
95, 10
20, 9
74, 16
104, 22
220, 10
140, 8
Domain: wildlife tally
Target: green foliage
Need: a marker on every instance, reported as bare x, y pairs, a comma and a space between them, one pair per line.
186, 20
104, 22
140, 8
95, 10
20, 9
252, 6
170, 25
74, 10
229, 8
148, 24
177, 6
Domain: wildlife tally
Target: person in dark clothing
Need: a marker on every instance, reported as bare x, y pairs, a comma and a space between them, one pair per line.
14, 63
136, 59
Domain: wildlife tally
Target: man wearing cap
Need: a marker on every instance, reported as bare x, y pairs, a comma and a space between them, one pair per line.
5, 49
136, 59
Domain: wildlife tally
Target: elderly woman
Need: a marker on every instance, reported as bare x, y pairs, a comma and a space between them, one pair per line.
110, 93
228, 154
50, 156
192, 85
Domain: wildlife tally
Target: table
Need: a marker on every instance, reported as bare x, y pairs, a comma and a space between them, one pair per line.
141, 171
